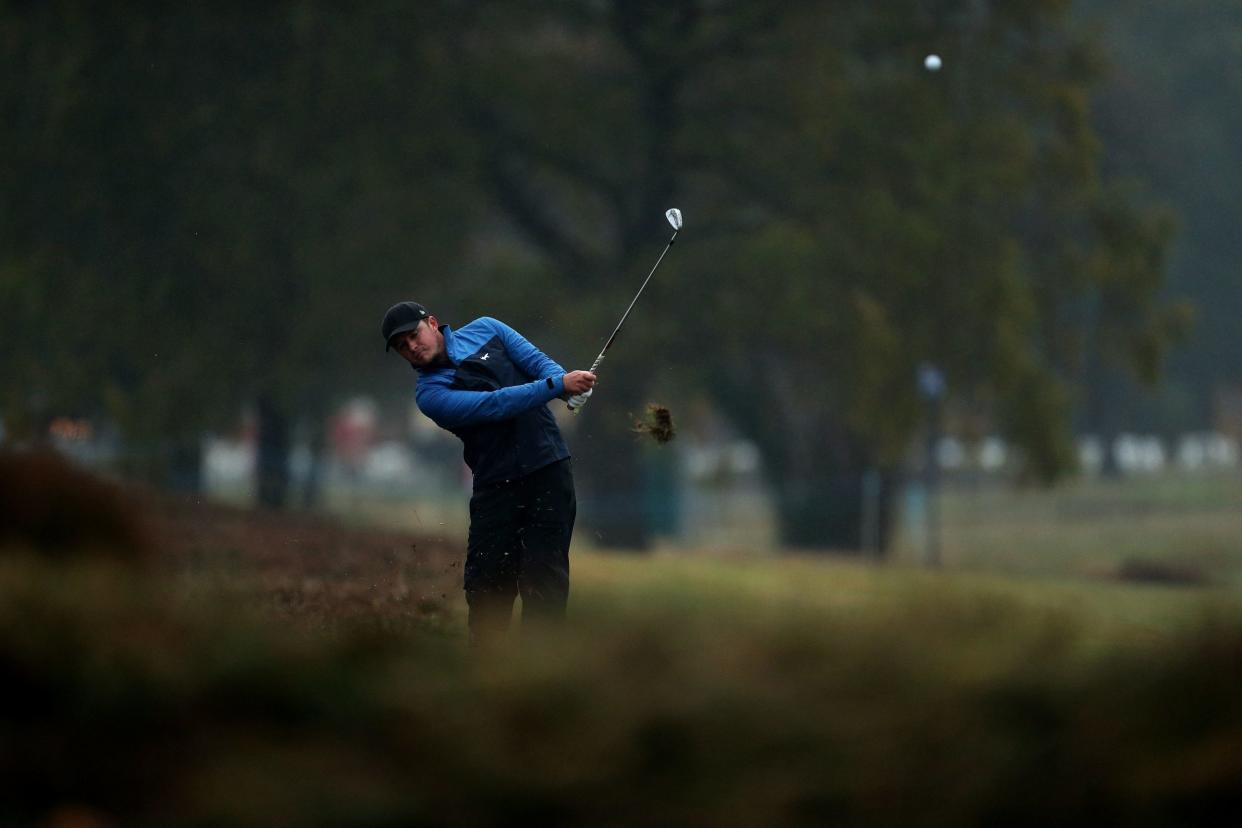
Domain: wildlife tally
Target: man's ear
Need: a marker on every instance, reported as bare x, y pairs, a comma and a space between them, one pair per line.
433, 323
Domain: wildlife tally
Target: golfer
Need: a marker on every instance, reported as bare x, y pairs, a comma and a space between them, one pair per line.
488, 385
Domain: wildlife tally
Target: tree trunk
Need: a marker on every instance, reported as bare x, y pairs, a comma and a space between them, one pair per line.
312, 486
184, 466
272, 455
830, 493
820, 511
823, 495
1103, 393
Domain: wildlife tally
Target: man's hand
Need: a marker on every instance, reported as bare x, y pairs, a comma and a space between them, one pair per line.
578, 382
578, 387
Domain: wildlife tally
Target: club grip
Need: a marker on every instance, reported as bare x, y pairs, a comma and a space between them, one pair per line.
575, 403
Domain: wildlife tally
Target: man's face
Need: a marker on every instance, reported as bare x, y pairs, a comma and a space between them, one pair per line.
422, 346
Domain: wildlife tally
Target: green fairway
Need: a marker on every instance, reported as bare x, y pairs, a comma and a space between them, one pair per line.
1170, 528
1190, 524
764, 588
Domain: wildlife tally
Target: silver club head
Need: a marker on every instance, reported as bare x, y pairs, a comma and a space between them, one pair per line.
674, 217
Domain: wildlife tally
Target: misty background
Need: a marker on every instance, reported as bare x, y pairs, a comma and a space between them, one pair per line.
903, 300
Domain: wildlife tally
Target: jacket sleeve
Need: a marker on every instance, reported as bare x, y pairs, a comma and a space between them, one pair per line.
451, 408
526, 356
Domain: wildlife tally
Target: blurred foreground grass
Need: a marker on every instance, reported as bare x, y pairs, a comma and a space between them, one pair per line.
266, 671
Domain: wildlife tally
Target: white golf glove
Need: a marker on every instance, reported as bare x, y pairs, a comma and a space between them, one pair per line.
578, 400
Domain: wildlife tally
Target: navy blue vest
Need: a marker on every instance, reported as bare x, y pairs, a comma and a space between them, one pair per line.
510, 448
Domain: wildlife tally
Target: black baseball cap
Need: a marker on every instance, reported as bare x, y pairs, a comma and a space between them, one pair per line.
401, 317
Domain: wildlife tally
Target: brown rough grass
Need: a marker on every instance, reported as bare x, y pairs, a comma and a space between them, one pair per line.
312, 571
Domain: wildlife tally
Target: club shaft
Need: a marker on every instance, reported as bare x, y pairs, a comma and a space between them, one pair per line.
625, 315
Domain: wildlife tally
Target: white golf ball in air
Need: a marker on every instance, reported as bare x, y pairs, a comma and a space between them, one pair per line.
932, 62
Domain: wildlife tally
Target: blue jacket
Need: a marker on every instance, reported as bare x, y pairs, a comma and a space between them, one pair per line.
494, 397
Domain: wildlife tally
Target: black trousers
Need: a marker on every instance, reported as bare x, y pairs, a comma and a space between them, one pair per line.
519, 544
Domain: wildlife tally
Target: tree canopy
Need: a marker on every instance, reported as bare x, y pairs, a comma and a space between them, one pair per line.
214, 207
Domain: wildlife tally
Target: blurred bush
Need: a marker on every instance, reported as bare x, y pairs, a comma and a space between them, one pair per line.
60, 511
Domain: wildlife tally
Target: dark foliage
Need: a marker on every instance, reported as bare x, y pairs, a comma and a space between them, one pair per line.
60, 511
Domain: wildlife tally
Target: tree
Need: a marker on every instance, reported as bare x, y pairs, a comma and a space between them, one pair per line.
273, 175
100, 288
216, 206
960, 219
342, 181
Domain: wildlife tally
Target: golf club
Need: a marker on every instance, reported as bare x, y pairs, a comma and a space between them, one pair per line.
674, 219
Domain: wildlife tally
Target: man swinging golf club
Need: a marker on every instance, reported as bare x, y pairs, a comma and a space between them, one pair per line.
488, 385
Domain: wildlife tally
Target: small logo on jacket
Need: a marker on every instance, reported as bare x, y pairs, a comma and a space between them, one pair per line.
484, 357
